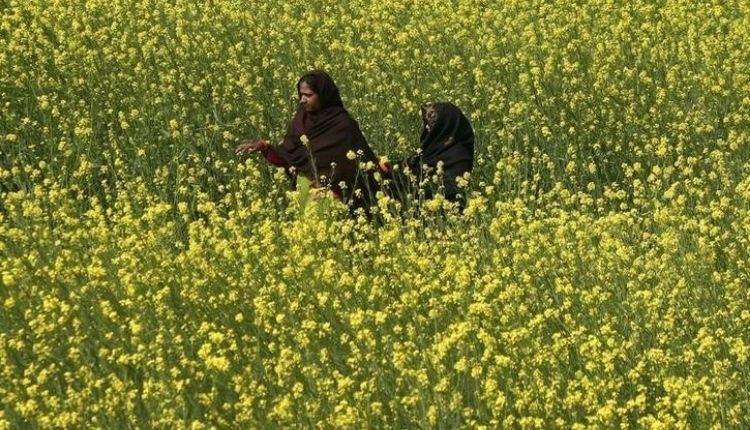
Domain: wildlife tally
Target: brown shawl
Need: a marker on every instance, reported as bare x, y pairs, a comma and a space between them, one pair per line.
331, 133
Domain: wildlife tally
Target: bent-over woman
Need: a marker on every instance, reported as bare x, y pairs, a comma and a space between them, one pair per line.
446, 137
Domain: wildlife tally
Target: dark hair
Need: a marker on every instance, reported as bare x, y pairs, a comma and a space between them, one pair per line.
323, 85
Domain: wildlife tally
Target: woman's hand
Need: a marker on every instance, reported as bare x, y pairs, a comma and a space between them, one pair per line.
250, 146
384, 166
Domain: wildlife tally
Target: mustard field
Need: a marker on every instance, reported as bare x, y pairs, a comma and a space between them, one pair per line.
599, 276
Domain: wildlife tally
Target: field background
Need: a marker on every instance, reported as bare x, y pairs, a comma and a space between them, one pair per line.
598, 278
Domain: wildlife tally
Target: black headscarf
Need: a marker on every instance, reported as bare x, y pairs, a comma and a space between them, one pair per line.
446, 136
331, 133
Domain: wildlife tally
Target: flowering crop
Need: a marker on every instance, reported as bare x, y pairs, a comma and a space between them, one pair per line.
597, 278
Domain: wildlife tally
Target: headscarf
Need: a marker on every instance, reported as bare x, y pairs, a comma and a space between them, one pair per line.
323, 85
331, 134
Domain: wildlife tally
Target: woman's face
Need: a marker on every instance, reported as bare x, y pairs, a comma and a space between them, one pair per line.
308, 98
429, 116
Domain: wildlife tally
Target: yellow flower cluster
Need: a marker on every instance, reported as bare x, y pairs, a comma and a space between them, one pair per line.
597, 278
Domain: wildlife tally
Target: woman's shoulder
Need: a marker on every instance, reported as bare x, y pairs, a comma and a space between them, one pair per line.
341, 117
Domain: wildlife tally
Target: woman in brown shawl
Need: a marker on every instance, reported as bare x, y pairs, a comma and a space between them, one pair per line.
320, 141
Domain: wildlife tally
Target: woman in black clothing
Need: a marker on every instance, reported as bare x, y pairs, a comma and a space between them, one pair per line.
447, 138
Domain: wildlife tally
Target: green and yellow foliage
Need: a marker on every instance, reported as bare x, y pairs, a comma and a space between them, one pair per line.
597, 279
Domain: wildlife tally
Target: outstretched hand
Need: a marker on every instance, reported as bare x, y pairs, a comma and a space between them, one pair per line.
250, 146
